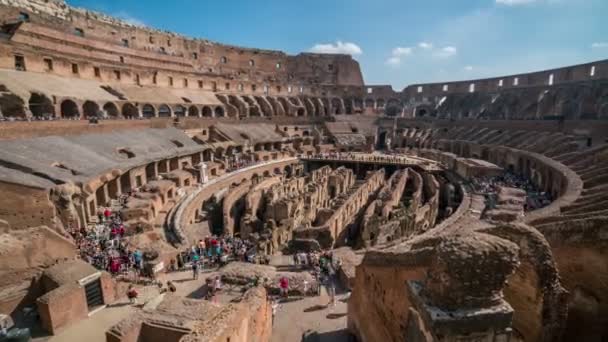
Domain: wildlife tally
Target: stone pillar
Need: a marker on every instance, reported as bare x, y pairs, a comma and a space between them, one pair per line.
203, 177
106, 193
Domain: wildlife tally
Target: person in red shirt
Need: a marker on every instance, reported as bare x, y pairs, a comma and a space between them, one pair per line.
115, 265
132, 294
284, 286
107, 213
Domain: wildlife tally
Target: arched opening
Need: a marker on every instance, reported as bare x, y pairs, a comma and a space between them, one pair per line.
148, 111
207, 155
12, 105
288, 171
151, 172
129, 111
219, 153
90, 109
337, 106
219, 111
381, 143
369, 103
179, 111
207, 112
111, 110
41, 106
69, 109
193, 111
164, 111
393, 108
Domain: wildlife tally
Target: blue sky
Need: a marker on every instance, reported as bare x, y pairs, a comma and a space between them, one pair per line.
397, 42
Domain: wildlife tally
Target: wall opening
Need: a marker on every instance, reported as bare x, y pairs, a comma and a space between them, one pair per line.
90, 109
41, 106
69, 109
20, 63
111, 110
148, 111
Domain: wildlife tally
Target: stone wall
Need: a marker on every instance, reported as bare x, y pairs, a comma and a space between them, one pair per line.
343, 210
231, 212
61, 307
186, 209
23, 207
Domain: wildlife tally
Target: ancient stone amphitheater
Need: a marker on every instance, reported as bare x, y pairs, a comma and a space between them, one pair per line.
460, 211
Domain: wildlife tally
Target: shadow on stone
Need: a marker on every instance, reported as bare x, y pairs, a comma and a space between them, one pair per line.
315, 308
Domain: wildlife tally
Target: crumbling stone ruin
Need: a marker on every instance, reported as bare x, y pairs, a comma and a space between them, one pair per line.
458, 211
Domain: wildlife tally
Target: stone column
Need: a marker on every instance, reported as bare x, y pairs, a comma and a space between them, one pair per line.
203, 177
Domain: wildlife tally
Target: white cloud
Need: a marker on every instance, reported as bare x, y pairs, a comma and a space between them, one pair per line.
339, 47
599, 45
514, 2
425, 45
402, 51
446, 52
468, 68
394, 61
398, 53
129, 19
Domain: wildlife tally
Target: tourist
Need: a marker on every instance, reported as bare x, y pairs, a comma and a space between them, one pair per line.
331, 288
194, 270
180, 261
217, 284
132, 294
284, 286
107, 213
275, 306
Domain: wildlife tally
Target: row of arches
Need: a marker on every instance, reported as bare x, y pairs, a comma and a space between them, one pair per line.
232, 105
42, 106
269, 106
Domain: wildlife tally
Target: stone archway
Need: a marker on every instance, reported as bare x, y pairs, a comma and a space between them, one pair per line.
41, 106
164, 111
179, 111
69, 109
129, 111
90, 109
193, 111
12, 105
111, 110
148, 111
207, 112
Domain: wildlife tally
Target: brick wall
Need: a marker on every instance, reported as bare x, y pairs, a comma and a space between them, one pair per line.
23, 207
61, 307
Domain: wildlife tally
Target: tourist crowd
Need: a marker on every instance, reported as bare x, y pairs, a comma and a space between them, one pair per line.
488, 186
213, 251
104, 246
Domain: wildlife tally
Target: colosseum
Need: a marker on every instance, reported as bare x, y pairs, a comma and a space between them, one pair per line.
157, 187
